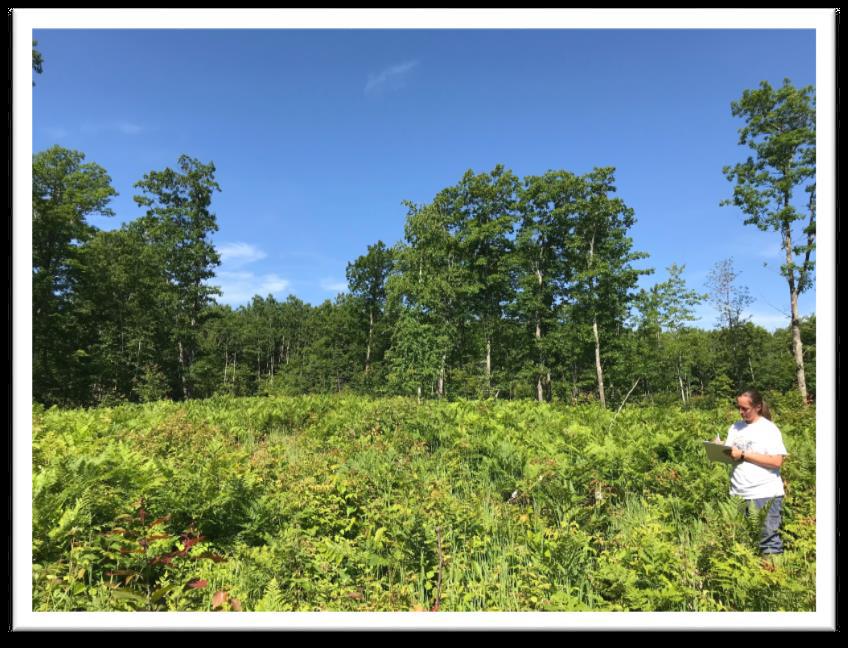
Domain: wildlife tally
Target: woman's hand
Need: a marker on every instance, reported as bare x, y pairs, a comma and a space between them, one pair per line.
736, 454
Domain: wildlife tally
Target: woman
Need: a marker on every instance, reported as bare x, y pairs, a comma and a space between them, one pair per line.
757, 445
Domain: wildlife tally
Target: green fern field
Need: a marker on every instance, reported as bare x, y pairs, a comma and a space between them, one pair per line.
359, 504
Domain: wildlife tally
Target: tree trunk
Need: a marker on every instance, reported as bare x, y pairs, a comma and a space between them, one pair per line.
797, 349
440, 385
540, 391
488, 362
598, 367
182, 369
370, 335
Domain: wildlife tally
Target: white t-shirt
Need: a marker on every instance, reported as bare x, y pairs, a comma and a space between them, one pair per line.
749, 480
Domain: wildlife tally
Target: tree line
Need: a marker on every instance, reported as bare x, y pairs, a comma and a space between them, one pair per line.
502, 287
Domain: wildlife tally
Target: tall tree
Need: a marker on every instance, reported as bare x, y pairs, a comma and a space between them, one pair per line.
780, 129
547, 206
433, 279
603, 254
367, 280
484, 209
65, 192
179, 223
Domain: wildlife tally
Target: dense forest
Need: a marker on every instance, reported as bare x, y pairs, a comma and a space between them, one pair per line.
500, 288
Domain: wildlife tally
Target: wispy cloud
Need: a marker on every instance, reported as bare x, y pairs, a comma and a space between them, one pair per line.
240, 254
57, 133
391, 77
333, 285
773, 251
239, 288
124, 127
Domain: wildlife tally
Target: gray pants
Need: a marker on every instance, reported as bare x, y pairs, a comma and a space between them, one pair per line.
770, 542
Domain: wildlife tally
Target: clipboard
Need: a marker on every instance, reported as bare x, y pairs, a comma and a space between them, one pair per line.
718, 452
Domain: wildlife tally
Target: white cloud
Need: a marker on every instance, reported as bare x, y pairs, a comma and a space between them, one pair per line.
333, 285
773, 251
239, 254
239, 288
392, 76
128, 129
57, 133
125, 127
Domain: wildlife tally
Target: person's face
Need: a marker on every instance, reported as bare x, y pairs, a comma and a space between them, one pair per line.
747, 410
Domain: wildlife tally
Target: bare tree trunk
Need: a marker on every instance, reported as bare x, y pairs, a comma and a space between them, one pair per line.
183, 370
440, 385
488, 362
540, 392
797, 349
419, 394
370, 335
598, 367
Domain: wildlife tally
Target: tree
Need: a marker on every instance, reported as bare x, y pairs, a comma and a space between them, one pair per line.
432, 278
119, 303
367, 280
602, 253
780, 129
483, 211
666, 308
178, 223
547, 206
65, 192
37, 60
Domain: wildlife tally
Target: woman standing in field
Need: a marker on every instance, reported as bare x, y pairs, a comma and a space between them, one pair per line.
757, 445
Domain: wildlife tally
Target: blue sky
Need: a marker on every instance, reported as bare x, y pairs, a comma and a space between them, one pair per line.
318, 135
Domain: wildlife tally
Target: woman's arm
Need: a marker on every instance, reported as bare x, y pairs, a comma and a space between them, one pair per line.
766, 461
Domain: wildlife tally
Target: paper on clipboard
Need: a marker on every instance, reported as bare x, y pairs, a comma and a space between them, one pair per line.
718, 452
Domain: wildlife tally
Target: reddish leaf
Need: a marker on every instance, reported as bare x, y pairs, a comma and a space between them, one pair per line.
164, 518
235, 604
218, 599
160, 536
213, 557
199, 583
